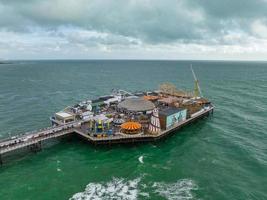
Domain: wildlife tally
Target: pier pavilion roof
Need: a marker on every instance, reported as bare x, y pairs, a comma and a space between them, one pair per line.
136, 105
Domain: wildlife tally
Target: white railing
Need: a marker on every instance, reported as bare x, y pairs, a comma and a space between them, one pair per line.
31, 141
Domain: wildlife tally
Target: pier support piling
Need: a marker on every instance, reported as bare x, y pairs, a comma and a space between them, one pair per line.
36, 147
1, 161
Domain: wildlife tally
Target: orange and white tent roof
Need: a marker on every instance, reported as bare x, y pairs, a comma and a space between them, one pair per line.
131, 126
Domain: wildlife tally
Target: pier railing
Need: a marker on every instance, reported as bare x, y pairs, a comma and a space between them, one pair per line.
33, 137
30, 142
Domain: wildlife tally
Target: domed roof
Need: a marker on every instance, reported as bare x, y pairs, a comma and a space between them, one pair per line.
136, 105
118, 121
131, 126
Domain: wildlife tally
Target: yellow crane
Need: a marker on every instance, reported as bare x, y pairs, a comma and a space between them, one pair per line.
197, 90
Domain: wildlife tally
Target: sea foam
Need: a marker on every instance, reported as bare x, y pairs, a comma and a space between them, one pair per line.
141, 159
180, 190
117, 188
122, 189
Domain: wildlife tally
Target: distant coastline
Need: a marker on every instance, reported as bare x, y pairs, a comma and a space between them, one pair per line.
5, 62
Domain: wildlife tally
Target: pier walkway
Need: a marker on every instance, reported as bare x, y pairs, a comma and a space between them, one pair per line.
36, 137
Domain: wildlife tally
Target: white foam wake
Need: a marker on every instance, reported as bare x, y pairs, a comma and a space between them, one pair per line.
117, 188
181, 190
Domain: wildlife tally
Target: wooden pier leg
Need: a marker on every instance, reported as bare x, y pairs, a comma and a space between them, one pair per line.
36, 147
40, 145
1, 161
210, 113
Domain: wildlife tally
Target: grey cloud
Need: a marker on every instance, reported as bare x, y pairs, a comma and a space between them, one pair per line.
229, 9
138, 22
150, 21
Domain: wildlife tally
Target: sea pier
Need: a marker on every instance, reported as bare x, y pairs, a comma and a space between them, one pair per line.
120, 138
34, 140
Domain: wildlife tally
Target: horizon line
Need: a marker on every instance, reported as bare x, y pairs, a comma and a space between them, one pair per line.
132, 59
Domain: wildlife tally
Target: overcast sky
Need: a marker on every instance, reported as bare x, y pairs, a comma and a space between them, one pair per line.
133, 29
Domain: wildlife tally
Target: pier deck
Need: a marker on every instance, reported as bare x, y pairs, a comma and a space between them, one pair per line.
37, 137
125, 138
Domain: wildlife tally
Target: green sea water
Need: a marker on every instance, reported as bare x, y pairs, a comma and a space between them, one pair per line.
217, 158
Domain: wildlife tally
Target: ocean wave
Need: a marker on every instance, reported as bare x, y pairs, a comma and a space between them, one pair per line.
180, 190
141, 159
117, 188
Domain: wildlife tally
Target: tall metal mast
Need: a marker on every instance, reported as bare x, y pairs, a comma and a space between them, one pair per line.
197, 90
